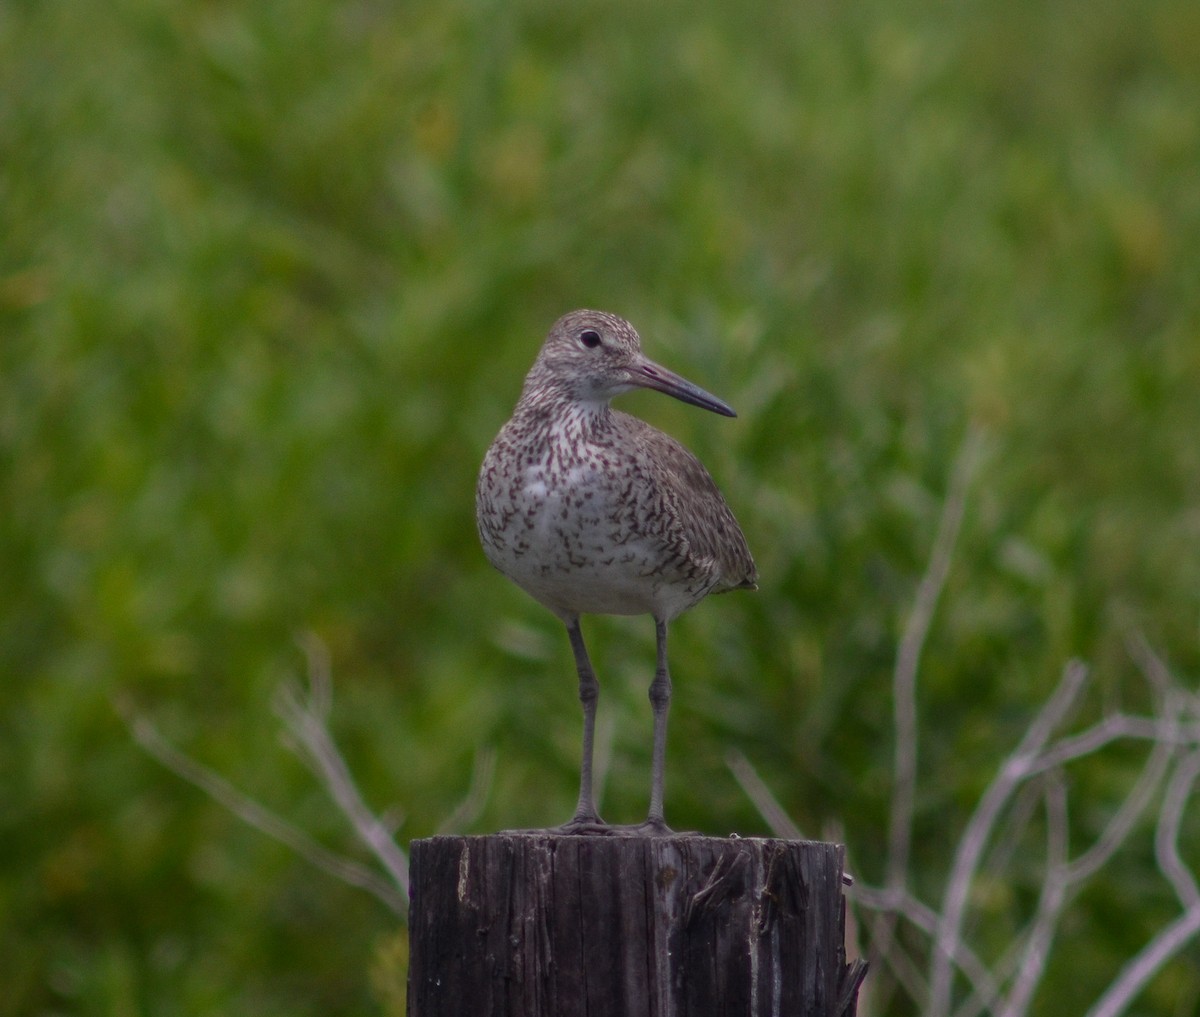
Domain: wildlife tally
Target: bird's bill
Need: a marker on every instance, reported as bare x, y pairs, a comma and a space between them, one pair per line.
650, 375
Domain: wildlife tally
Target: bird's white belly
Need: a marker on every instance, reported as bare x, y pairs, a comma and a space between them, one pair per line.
570, 546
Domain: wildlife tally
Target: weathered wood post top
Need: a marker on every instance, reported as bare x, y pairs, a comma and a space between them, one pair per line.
546, 925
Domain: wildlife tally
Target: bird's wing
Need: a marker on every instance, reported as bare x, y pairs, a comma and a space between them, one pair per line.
694, 507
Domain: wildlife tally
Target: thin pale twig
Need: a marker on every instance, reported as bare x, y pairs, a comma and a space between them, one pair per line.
1028, 799
908, 656
921, 916
1114, 727
757, 791
1146, 964
1166, 837
1014, 770
261, 818
1152, 666
1171, 939
904, 675
1136, 801
1051, 902
1164, 730
898, 960
308, 728
320, 673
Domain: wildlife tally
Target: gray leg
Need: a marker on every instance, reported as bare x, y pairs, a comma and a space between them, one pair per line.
660, 700
589, 692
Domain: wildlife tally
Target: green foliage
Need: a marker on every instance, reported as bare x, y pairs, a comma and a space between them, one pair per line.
270, 276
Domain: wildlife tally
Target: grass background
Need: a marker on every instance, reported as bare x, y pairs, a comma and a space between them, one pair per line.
270, 277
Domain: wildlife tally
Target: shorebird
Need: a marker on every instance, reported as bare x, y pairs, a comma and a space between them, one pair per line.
593, 511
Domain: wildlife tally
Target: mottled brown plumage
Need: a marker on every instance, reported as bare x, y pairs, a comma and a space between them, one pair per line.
592, 511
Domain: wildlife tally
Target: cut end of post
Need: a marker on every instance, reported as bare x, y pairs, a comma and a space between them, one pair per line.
662, 925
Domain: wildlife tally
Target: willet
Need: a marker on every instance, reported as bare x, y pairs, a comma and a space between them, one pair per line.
592, 511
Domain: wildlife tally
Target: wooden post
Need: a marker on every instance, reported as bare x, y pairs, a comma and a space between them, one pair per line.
544, 925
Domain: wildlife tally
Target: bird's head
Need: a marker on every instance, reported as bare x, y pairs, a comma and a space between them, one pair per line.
591, 356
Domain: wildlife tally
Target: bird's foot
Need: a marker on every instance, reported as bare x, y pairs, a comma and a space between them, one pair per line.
651, 826
585, 824
575, 828
594, 826
589, 828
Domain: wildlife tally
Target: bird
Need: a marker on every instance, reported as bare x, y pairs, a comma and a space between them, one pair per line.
593, 511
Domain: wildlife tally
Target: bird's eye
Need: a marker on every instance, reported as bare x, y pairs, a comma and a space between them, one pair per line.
590, 338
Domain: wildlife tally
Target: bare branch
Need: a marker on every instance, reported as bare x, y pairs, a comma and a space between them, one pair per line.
1049, 717
1148, 962
897, 959
1170, 940
1174, 727
908, 656
262, 819
1136, 802
1150, 663
905, 905
305, 723
1115, 727
1050, 904
1028, 798
899, 902
904, 674
1166, 838
777, 819
320, 674
1015, 769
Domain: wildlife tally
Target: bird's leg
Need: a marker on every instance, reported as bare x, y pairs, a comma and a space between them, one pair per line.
660, 700
586, 817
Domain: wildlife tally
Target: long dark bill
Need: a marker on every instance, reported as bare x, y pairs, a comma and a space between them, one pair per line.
650, 375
